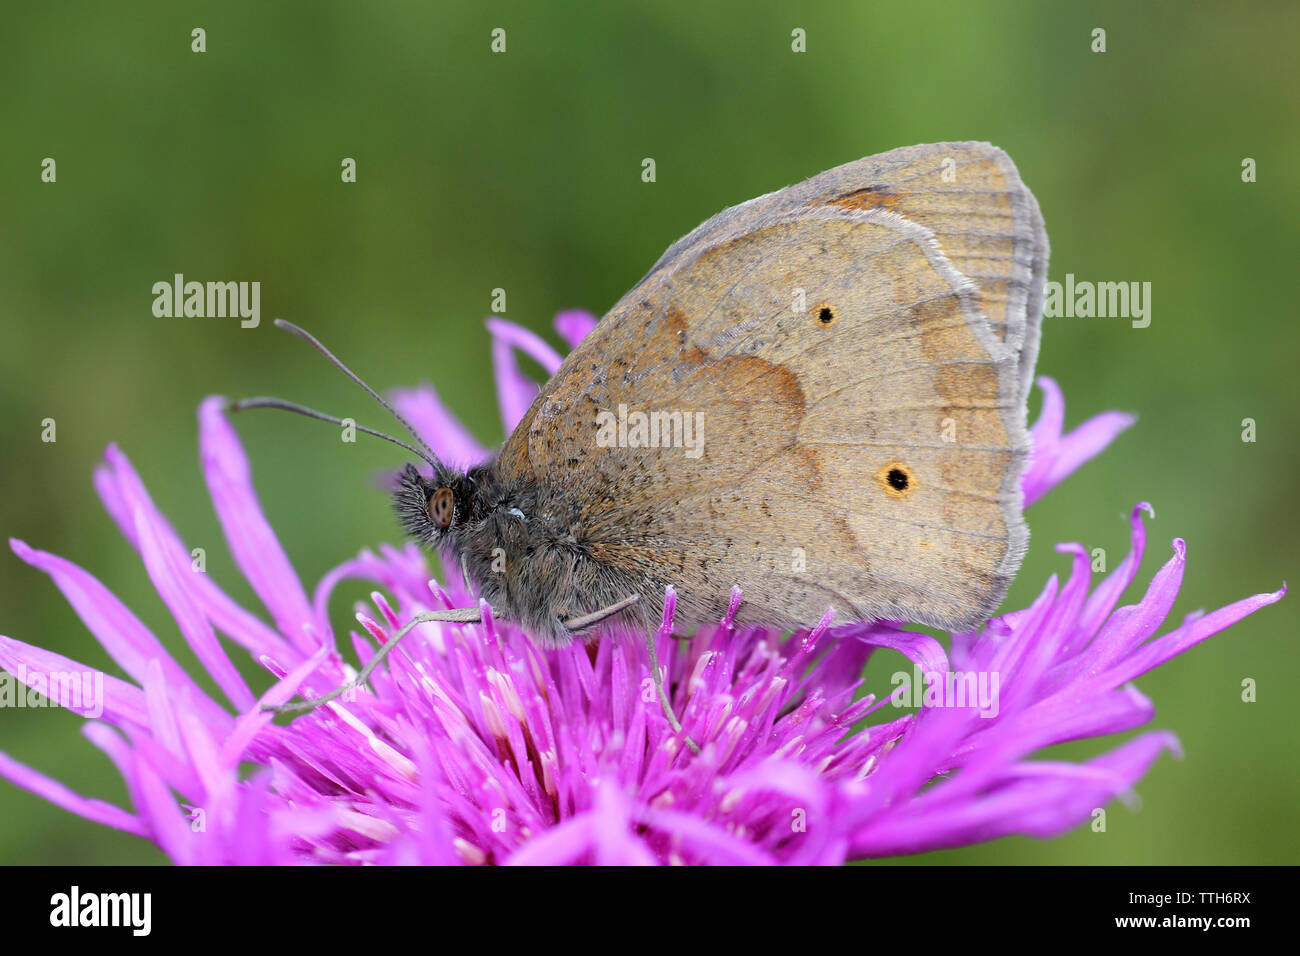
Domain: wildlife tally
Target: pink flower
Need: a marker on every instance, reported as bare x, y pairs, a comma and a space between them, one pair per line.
473, 746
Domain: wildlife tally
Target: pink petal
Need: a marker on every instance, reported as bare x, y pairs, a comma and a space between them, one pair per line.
515, 391
440, 429
174, 586
123, 703
574, 325
56, 793
1054, 457
122, 635
122, 491
253, 544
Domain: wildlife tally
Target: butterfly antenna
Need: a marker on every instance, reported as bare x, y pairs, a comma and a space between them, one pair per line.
281, 404
315, 343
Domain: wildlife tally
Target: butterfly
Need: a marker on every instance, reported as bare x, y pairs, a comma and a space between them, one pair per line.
852, 354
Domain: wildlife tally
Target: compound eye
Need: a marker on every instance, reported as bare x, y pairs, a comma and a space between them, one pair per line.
442, 505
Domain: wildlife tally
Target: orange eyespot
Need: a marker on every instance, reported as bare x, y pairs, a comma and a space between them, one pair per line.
896, 479
441, 507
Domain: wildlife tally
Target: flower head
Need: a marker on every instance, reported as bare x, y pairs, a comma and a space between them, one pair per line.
474, 746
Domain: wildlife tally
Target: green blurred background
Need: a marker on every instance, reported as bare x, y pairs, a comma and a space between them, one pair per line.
522, 171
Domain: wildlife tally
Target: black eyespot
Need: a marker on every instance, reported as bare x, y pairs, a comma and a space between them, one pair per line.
442, 505
896, 479
826, 315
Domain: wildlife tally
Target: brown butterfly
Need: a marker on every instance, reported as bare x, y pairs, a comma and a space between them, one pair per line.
851, 356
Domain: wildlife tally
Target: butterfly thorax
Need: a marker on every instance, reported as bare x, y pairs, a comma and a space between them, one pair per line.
520, 545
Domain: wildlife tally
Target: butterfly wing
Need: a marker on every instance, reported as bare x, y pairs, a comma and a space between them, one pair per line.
969, 195
812, 405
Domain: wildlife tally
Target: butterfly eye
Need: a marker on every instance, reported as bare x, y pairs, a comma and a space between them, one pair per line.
441, 507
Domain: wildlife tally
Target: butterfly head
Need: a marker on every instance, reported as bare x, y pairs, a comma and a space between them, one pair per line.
433, 510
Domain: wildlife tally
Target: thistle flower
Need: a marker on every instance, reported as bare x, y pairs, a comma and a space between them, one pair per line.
474, 746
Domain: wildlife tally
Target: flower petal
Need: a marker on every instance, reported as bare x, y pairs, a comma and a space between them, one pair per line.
122, 635
174, 587
56, 793
121, 703
574, 325
122, 492
252, 543
515, 391
1054, 457
441, 430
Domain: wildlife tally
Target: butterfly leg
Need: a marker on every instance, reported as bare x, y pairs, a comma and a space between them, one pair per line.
664, 702
464, 615
578, 623
470, 615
